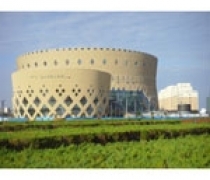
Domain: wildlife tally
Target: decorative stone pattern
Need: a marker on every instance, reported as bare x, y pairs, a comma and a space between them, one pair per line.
46, 81
60, 93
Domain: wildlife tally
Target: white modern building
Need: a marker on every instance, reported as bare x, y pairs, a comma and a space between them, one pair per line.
179, 94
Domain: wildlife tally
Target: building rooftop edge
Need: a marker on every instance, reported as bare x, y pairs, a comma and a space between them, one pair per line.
85, 48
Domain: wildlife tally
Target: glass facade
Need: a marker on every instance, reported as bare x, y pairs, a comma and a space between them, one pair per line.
124, 101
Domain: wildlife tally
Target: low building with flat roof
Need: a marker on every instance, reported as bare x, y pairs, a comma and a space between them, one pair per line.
171, 97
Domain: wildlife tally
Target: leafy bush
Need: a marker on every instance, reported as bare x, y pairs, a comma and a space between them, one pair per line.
59, 123
56, 137
183, 152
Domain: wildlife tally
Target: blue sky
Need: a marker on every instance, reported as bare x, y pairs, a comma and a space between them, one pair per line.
180, 41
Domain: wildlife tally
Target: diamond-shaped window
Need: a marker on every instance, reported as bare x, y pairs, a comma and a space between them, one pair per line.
21, 111
31, 110
90, 110
45, 110
76, 110
52, 101
96, 101
68, 101
25, 101
83, 100
37, 101
60, 110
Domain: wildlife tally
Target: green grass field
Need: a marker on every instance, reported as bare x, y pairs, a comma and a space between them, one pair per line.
105, 144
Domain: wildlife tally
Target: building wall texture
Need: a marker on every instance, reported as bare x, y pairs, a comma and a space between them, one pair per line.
182, 93
62, 70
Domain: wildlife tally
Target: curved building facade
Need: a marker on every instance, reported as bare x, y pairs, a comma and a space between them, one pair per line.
127, 80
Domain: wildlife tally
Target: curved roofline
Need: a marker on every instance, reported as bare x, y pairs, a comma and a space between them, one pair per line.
85, 48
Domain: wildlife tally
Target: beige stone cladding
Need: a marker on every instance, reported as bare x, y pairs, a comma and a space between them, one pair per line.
171, 104
59, 92
130, 70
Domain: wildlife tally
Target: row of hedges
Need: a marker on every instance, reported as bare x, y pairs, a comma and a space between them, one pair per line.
197, 120
5, 127
102, 138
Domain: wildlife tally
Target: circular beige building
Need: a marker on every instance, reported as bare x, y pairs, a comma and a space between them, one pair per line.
84, 82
